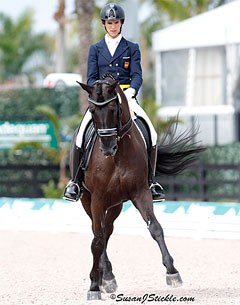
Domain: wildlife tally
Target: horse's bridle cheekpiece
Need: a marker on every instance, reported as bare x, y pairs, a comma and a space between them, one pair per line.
109, 132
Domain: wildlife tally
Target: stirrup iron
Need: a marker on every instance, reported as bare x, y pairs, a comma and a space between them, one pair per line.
78, 194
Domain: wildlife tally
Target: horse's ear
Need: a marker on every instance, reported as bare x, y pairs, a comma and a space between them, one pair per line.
85, 87
113, 86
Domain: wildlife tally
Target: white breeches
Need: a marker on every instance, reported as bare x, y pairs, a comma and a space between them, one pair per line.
134, 107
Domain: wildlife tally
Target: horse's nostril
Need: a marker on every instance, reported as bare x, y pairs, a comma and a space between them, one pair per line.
115, 147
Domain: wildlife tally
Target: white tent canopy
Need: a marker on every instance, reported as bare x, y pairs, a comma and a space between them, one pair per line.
220, 26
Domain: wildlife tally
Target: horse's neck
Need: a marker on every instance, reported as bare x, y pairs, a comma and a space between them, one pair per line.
126, 115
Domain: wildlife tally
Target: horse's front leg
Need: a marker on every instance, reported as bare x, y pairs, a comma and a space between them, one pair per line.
145, 206
109, 283
97, 247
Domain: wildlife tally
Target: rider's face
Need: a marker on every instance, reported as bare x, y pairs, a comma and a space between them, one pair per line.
113, 27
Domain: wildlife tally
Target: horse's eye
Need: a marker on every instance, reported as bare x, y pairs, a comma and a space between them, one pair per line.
91, 109
112, 107
114, 111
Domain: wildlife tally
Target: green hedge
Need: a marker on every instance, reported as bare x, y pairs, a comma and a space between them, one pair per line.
228, 154
216, 155
28, 157
20, 104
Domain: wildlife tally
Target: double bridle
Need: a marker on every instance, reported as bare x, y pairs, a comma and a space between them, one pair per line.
119, 131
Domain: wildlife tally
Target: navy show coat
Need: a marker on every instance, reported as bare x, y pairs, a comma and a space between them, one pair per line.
125, 64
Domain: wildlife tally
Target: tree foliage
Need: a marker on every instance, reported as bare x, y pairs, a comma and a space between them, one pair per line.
182, 9
18, 45
166, 12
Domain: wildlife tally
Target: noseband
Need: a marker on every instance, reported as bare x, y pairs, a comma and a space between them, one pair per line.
119, 131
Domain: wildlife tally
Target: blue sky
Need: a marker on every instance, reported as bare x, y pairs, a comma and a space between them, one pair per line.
44, 10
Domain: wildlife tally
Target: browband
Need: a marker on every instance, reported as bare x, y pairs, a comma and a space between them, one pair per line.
102, 103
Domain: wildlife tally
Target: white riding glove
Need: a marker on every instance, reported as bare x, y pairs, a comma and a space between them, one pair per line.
130, 92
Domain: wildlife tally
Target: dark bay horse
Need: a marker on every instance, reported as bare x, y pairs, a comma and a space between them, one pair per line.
117, 172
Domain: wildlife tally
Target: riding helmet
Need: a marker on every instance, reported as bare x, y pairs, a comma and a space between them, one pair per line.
112, 11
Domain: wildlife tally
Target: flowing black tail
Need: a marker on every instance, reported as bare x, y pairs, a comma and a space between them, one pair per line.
177, 152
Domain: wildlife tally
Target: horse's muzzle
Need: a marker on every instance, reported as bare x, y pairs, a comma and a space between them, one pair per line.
109, 149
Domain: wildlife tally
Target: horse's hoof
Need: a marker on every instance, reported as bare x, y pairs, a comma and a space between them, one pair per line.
93, 295
174, 280
109, 286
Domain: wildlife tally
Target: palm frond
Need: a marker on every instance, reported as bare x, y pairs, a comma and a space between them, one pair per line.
53, 117
53, 154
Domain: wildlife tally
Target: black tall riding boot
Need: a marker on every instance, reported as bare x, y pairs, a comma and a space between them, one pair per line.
73, 189
156, 189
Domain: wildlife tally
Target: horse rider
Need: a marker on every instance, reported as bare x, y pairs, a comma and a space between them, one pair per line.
122, 58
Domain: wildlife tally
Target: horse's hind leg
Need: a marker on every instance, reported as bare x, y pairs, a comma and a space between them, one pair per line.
145, 207
173, 277
109, 283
